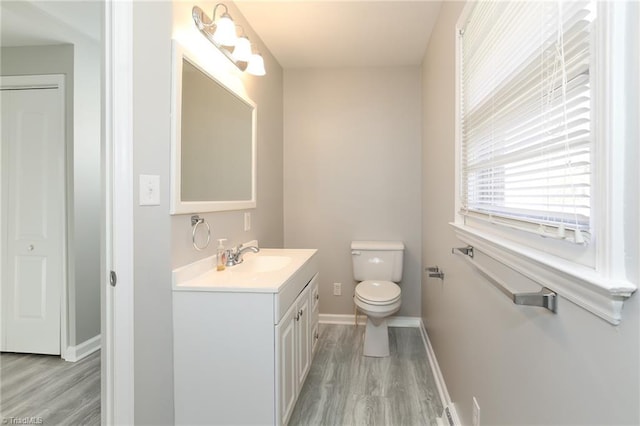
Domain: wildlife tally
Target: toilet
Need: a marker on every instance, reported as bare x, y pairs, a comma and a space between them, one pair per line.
377, 265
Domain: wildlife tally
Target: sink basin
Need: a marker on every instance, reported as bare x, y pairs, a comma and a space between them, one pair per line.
267, 271
263, 263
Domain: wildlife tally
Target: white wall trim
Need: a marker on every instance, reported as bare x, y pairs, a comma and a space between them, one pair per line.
348, 319
404, 321
84, 349
117, 221
439, 378
341, 319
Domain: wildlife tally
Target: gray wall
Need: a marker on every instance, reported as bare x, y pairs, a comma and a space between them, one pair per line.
161, 241
525, 367
81, 65
352, 171
153, 340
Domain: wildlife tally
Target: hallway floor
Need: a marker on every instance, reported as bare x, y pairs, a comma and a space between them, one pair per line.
45, 389
345, 388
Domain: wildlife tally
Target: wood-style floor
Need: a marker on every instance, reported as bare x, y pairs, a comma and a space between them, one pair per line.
44, 389
345, 388
342, 388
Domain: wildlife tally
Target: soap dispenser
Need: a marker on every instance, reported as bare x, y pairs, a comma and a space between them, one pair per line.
221, 255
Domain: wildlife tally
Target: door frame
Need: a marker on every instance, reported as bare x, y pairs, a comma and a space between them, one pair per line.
48, 81
117, 396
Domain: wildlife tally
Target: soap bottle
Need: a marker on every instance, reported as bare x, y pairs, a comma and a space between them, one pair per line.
221, 255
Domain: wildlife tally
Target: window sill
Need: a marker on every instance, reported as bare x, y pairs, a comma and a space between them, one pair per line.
598, 294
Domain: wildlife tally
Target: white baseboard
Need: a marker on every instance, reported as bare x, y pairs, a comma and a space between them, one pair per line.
362, 319
340, 319
439, 378
84, 349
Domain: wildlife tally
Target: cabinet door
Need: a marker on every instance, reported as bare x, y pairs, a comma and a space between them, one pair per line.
315, 337
304, 334
315, 296
315, 313
287, 379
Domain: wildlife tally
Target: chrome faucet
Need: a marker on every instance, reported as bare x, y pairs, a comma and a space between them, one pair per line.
234, 257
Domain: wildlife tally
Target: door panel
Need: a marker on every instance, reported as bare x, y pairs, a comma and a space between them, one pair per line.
286, 371
30, 296
303, 341
33, 256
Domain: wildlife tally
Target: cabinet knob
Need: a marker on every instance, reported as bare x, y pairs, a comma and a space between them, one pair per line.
317, 296
300, 312
297, 317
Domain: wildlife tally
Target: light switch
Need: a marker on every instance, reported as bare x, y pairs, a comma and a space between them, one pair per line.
149, 190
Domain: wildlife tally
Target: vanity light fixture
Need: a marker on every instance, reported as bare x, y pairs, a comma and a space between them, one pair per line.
221, 32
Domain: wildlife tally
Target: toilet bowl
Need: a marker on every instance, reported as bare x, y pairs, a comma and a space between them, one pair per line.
377, 300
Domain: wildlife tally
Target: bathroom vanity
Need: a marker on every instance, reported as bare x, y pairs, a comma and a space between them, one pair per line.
244, 337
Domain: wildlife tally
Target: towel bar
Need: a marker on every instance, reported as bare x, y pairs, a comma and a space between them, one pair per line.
545, 298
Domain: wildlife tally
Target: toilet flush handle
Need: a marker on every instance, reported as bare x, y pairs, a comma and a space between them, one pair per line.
355, 253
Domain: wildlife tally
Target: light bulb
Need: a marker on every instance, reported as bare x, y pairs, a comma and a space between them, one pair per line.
256, 65
225, 34
242, 50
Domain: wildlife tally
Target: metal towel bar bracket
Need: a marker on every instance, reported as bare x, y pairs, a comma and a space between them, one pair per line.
468, 250
195, 222
545, 298
435, 272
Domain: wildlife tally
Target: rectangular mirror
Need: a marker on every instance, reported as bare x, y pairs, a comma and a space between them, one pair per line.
213, 149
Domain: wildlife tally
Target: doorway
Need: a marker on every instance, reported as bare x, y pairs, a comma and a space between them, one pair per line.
109, 23
42, 38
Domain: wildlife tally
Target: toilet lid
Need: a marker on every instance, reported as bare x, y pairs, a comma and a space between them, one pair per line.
377, 292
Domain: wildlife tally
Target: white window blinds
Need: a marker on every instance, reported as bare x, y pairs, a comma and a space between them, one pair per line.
526, 133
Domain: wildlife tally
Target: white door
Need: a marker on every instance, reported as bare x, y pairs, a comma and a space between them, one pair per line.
33, 199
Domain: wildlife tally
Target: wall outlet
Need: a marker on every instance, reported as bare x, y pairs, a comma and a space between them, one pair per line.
337, 289
247, 221
476, 412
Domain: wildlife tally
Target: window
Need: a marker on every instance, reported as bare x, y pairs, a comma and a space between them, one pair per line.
526, 115
545, 116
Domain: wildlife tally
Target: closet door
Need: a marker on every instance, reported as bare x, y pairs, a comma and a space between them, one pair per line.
33, 199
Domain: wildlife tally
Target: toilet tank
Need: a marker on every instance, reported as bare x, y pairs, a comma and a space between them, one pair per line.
377, 260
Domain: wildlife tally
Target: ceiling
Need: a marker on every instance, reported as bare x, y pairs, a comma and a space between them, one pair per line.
25, 23
299, 33
338, 33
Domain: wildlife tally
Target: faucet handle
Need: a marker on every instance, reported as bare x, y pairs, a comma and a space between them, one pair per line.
230, 255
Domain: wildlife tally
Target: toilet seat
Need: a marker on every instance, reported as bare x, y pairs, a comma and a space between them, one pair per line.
377, 292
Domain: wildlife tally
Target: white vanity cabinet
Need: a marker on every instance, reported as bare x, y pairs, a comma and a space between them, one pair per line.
242, 352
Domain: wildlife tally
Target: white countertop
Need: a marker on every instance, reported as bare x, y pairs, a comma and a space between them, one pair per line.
202, 275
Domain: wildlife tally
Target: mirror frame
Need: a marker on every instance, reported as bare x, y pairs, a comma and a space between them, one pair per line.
178, 206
